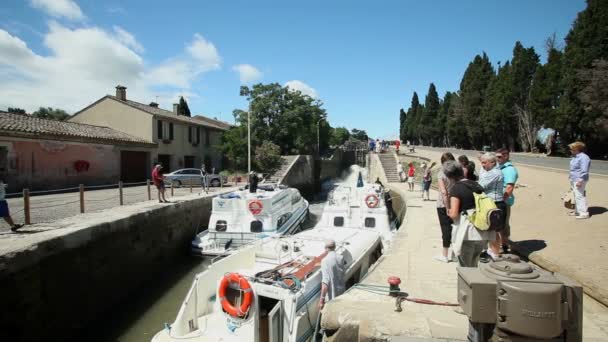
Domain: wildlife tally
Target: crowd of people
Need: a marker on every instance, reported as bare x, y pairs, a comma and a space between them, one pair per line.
458, 182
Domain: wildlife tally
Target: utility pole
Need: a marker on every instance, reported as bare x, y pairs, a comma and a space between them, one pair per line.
319, 136
249, 139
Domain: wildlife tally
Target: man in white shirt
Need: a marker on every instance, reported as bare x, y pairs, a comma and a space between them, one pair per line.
332, 271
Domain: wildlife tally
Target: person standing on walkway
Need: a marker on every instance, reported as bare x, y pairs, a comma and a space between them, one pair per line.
411, 172
332, 274
427, 178
579, 176
443, 204
159, 181
253, 182
510, 175
4, 212
397, 145
400, 171
468, 241
491, 180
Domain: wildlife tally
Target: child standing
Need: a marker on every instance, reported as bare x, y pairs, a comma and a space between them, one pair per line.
410, 176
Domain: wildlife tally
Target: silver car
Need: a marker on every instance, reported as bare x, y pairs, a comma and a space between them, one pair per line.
187, 177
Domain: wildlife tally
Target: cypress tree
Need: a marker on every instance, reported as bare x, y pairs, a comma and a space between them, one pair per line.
440, 121
455, 128
428, 117
473, 87
182, 107
402, 127
411, 119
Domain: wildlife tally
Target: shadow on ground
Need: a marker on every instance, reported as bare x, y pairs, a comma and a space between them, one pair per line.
526, 247
597, 210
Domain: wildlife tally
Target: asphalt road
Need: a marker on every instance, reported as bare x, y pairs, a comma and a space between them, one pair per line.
598, 167
48, 208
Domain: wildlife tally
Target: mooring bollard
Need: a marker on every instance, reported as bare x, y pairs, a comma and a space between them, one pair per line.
120, 192
171, 189
190, 187
26, 206
149, 191
81, 188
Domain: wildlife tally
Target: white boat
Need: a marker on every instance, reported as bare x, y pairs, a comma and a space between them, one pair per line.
361, 205
269, 290
240, 217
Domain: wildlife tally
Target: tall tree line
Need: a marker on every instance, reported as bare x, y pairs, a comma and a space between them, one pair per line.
505, 106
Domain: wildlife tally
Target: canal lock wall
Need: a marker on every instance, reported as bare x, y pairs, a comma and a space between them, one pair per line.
71, 274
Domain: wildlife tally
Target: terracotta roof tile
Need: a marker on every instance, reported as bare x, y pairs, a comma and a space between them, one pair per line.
27, 125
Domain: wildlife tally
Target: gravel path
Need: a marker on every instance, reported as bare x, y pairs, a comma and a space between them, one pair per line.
48, 208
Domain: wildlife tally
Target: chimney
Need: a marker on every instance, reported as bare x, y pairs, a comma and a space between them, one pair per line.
175, 108
121, 92
153, 104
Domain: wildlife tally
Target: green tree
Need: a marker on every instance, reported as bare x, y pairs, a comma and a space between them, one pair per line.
182, 107
51, 114
473, 86
268, 157
455, 127
546, 89
428, 116
441, 120
16, 110
594, 97
497, 114
359, 134
338, 136
586, 42
402, 127
411, 120
234, 142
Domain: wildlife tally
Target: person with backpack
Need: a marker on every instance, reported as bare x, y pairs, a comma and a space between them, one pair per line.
491, 180
468, 241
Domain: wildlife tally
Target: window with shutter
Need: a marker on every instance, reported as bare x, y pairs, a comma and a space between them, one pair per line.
198, 135
170, 131
189, 134
159, 129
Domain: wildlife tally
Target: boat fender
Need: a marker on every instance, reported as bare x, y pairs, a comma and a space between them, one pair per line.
372, 200
243, 285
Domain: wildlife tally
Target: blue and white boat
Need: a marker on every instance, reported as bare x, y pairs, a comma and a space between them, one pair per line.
240, 217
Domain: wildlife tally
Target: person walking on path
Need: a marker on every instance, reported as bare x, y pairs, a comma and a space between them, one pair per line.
159, 181
411, 172
468, 242
510, 175
204, 179
427, 178
332, 274
397, 145
443, 204
4, 212
491, 180
579, 176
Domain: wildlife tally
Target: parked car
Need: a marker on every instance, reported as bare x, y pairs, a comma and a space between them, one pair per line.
186, 177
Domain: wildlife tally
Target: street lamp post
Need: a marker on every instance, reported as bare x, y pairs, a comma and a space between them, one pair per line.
249, 139
319, 136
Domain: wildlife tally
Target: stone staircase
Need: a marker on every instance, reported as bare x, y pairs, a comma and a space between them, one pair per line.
285, 164
389, 164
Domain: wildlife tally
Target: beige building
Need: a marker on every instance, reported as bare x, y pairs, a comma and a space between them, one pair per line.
182, 141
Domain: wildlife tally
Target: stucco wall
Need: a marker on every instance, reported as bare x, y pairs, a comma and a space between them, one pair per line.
72, 272
302, 175
111, 113
50, 164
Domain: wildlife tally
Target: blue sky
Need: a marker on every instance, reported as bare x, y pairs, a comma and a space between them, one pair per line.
363, 59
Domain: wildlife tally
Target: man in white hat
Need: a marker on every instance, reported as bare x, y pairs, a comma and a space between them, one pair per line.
332, 272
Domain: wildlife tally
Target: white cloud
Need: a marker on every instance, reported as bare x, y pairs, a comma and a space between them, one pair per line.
128, 39
82, 65
205, 53
247, 73
59, 8
303, 88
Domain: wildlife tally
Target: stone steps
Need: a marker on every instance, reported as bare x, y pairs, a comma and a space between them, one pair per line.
389, 164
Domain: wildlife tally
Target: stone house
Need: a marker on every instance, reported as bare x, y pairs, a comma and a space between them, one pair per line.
182, 141
47, 154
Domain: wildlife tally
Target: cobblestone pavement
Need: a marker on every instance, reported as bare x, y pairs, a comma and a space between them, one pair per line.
48, 208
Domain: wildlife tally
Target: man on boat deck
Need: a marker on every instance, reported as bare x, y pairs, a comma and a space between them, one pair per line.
332, 272
253, 182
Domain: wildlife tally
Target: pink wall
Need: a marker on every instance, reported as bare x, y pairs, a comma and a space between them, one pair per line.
49, 164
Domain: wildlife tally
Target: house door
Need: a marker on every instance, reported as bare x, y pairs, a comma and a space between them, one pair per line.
188, 162
133, 166
165, 161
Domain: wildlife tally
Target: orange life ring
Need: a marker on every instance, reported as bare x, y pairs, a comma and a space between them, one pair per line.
374, 201
256, 207
243, 284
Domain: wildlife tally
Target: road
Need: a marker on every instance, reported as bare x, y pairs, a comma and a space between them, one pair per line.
47, 208
598, 167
